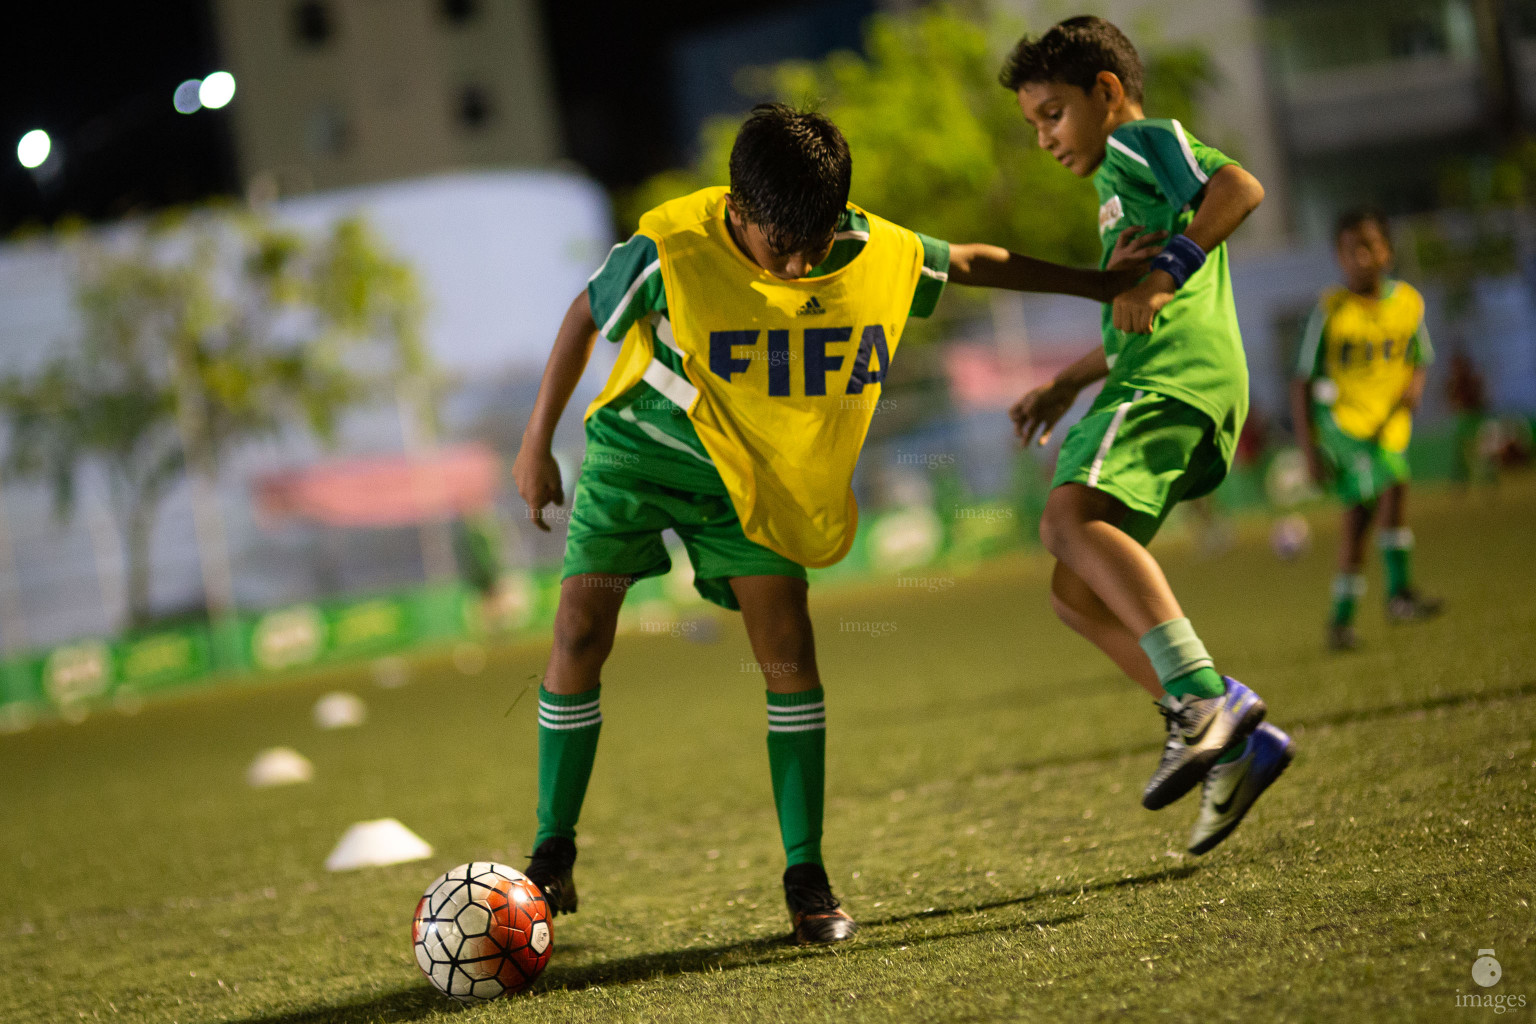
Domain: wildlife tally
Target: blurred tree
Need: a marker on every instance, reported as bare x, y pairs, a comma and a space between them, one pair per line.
938, 145
201, 333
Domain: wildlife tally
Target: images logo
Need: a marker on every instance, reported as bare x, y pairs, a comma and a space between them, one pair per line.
1485, 969
1487, 973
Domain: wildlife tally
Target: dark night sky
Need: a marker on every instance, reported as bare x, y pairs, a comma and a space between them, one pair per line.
98, 77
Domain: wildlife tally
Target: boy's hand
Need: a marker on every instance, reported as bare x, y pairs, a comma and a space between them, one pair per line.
537, 476
1135, 309
1133, 250
1040, 410
1130, 260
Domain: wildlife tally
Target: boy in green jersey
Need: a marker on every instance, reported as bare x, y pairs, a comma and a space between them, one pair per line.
1165, 426
1359, 377
786, 218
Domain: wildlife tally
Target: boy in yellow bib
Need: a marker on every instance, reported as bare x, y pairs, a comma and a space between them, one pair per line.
758, 324
1359, 378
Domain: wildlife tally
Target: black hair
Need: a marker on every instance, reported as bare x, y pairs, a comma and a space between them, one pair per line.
1356, 216
790, 174
1074, 52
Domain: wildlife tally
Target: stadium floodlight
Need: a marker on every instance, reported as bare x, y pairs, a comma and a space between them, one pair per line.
217, 90
185, 99
33, 149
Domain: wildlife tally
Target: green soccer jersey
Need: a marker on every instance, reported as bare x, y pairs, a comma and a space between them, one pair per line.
1152, 176
642, 431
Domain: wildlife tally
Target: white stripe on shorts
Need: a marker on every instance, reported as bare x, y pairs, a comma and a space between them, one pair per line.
1109, 439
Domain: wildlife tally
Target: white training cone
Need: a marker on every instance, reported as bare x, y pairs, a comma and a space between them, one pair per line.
469, 659
279, 766
371, 844
340, 711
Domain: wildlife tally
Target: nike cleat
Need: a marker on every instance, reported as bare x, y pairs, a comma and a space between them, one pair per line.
817, 916
1230, 789
550, 869
1411, 606
1200, 729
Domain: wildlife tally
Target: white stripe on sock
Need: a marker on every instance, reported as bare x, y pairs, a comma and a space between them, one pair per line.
797, 709
545, 723
796, 728
801, 717
568, 709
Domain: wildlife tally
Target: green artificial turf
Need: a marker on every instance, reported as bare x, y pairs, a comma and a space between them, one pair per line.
984, 824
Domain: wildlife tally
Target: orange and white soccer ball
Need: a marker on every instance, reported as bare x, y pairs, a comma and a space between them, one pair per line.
482, 931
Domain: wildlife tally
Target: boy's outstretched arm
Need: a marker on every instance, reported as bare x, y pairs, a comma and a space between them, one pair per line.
1043, 407
1306, 436
1226, 201
535, 472
991, 266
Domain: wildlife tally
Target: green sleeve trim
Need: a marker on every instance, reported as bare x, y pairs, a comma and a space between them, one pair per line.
934, 276
1309, 361
1420, 351
1180, 163
626, 287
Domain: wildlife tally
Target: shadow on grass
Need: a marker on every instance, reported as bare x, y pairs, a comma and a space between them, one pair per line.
1349, 716
421, 1000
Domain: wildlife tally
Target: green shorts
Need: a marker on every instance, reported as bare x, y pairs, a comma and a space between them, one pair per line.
616, 524
1362, 470
1148, 450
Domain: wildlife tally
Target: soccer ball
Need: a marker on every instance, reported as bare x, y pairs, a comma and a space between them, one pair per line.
481, 931
1290, 538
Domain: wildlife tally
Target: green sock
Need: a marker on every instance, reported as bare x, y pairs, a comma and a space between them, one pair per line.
1181, 661
568, 728
1235, 753
797, 759
1397, 553
1347, 590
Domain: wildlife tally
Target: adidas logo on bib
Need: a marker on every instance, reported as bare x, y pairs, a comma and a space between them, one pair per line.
810, 308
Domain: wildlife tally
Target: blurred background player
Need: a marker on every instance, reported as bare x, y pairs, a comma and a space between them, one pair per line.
749, 317
1359, 378
1164, 428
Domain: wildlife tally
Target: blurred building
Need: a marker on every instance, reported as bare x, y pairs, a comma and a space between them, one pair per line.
346, 92
1378, 99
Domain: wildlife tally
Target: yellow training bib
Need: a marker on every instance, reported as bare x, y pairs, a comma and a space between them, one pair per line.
783, 377
1370, 349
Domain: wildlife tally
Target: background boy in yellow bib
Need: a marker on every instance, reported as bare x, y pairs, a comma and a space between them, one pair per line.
758, 324
1359, 377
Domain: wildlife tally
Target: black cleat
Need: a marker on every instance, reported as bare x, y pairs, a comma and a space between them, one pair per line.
1342, 637
1411, 606
817, 916
550, 869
